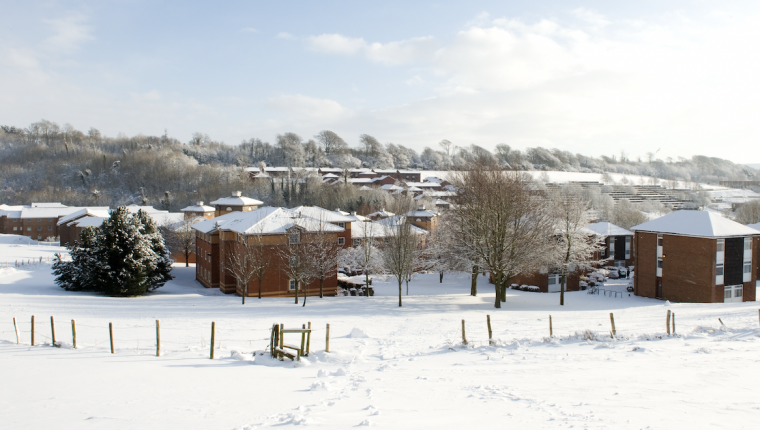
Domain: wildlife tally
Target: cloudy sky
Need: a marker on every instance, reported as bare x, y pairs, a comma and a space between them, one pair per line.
595, 77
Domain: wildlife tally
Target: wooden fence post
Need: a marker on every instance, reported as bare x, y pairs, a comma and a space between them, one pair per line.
612, 321
282, 338
32, 330
308, 340
110, 333
15, 327
667, 322
673, 321
464, 338
158, 338
327, 339
213, 329
74, 333
52, 328
490, 333
551, 332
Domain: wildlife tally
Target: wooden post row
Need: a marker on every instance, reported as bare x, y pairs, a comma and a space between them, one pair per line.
213, 328
52, 328
74, 333
612, 322
490, 333
327, 339
110, 334
667, 322
15, 327
158, 338
673, 322
464, 338
32, 330
281, 337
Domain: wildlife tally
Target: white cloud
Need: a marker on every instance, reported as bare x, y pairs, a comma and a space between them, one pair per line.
70, 32
418, 49
285, 35
304, 107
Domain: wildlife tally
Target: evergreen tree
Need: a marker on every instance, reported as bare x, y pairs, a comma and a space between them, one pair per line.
125, 256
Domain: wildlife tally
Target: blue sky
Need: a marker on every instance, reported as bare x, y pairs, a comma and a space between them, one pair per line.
591, 77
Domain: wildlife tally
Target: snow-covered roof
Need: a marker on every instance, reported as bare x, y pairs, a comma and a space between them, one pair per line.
166, 218
198, 208
211, 224
237, 201
391, 187
360, 180
413, 189
609, 229
432, 179
101, 211
756, 226
319, 213
364, 188
377, 230
46, 212
147, 209
90, 221
11, 214
330, 175
423, 184
696, 223
383, 213
4, 207
270, 220
421, 214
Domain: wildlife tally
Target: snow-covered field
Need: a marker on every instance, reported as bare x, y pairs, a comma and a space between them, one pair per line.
410, 371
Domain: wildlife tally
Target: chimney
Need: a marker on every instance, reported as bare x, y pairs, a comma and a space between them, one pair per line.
421, 207
200, 203
337, 209
236, 194
353, 213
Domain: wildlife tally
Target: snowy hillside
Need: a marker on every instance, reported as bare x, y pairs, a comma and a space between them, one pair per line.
388, 366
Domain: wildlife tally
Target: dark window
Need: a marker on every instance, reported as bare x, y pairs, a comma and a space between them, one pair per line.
733, 261
619, 247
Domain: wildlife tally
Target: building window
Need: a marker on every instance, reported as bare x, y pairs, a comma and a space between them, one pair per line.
341, 241
357, 242
50, 219
659, 240
721, 245
28, 229
719, 269
747, 267
727, 292
292, 285
659, 263
342, 225
294, 237
747, 243
15, 219
39, 237
293, 261
39, 219
50, 227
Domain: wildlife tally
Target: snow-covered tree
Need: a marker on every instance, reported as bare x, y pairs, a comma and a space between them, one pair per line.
125, 256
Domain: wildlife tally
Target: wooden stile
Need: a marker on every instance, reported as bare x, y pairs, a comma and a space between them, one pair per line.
282, 339
74, 333
110, 333
308, 341
667, 322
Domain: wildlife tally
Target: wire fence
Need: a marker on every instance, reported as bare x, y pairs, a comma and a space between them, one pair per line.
31, 262
503, 329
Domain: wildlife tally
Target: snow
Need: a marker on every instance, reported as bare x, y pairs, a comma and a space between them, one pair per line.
237, 201
696, 223
755, 226
412, 372
608, 229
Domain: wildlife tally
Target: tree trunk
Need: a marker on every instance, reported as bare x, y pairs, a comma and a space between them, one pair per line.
562, 290
187, 258
259, 288
400, 282
497, 285
321, 292
304, 296
474, 282
296, 292
366, 283
245, 293
440, 278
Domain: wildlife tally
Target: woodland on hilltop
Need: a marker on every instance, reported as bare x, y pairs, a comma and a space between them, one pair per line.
49, 162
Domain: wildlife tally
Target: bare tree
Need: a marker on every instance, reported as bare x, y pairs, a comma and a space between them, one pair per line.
242, 264
748, 213
500, 222
180, 237
440, 253
364, 254
262, 254
297, 259
400, 250
331, 143
576, 246
322, 253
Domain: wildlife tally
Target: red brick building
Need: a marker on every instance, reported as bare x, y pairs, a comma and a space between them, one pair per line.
618, 243
697, 257
273, 229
